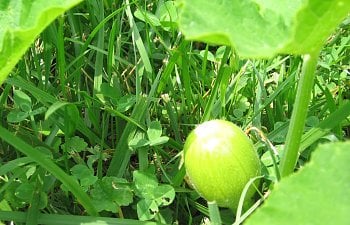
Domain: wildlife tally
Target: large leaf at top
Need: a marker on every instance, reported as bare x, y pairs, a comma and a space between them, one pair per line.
263, 28
318, 194
21, 21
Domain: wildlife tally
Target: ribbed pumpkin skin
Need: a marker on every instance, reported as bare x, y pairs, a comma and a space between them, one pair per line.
220, 159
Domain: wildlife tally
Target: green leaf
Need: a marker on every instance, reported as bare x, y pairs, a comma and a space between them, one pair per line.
314, 23
71, 118
37, 111
138, 141
263, 28
43, 200
75, 144
167, 14
207, 55
154, 130
164, 195
147, 209
60, 219
16, 116
126, 102
317, 194
10, 195
12, 165
21, 22
145, 184
152, 194
325, 126
159, 141
25, 191
111, 193
96, 155
22, 101
84, 174
147, 17
54, 107
51, 167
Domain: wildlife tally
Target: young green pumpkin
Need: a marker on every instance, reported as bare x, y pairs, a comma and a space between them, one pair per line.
220, 159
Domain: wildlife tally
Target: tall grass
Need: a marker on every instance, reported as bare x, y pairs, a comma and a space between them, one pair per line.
105, 72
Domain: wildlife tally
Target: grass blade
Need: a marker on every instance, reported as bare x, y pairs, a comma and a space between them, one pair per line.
325, 126
51, 167
223, 69
52, 219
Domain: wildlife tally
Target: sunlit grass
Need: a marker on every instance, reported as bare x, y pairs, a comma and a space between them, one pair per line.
106, 74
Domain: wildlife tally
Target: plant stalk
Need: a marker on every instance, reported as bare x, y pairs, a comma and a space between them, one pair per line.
300, 109
214, 213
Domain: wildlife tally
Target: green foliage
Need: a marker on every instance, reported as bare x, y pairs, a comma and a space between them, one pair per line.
154, 133
84, 174
259, 29
55, 219
26, 192
154, 137
74, 145
44, 161
110, 193
21, 23
70, 119
152, 194
165, 17
298, 27
122, 89
315, 195
23, 108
